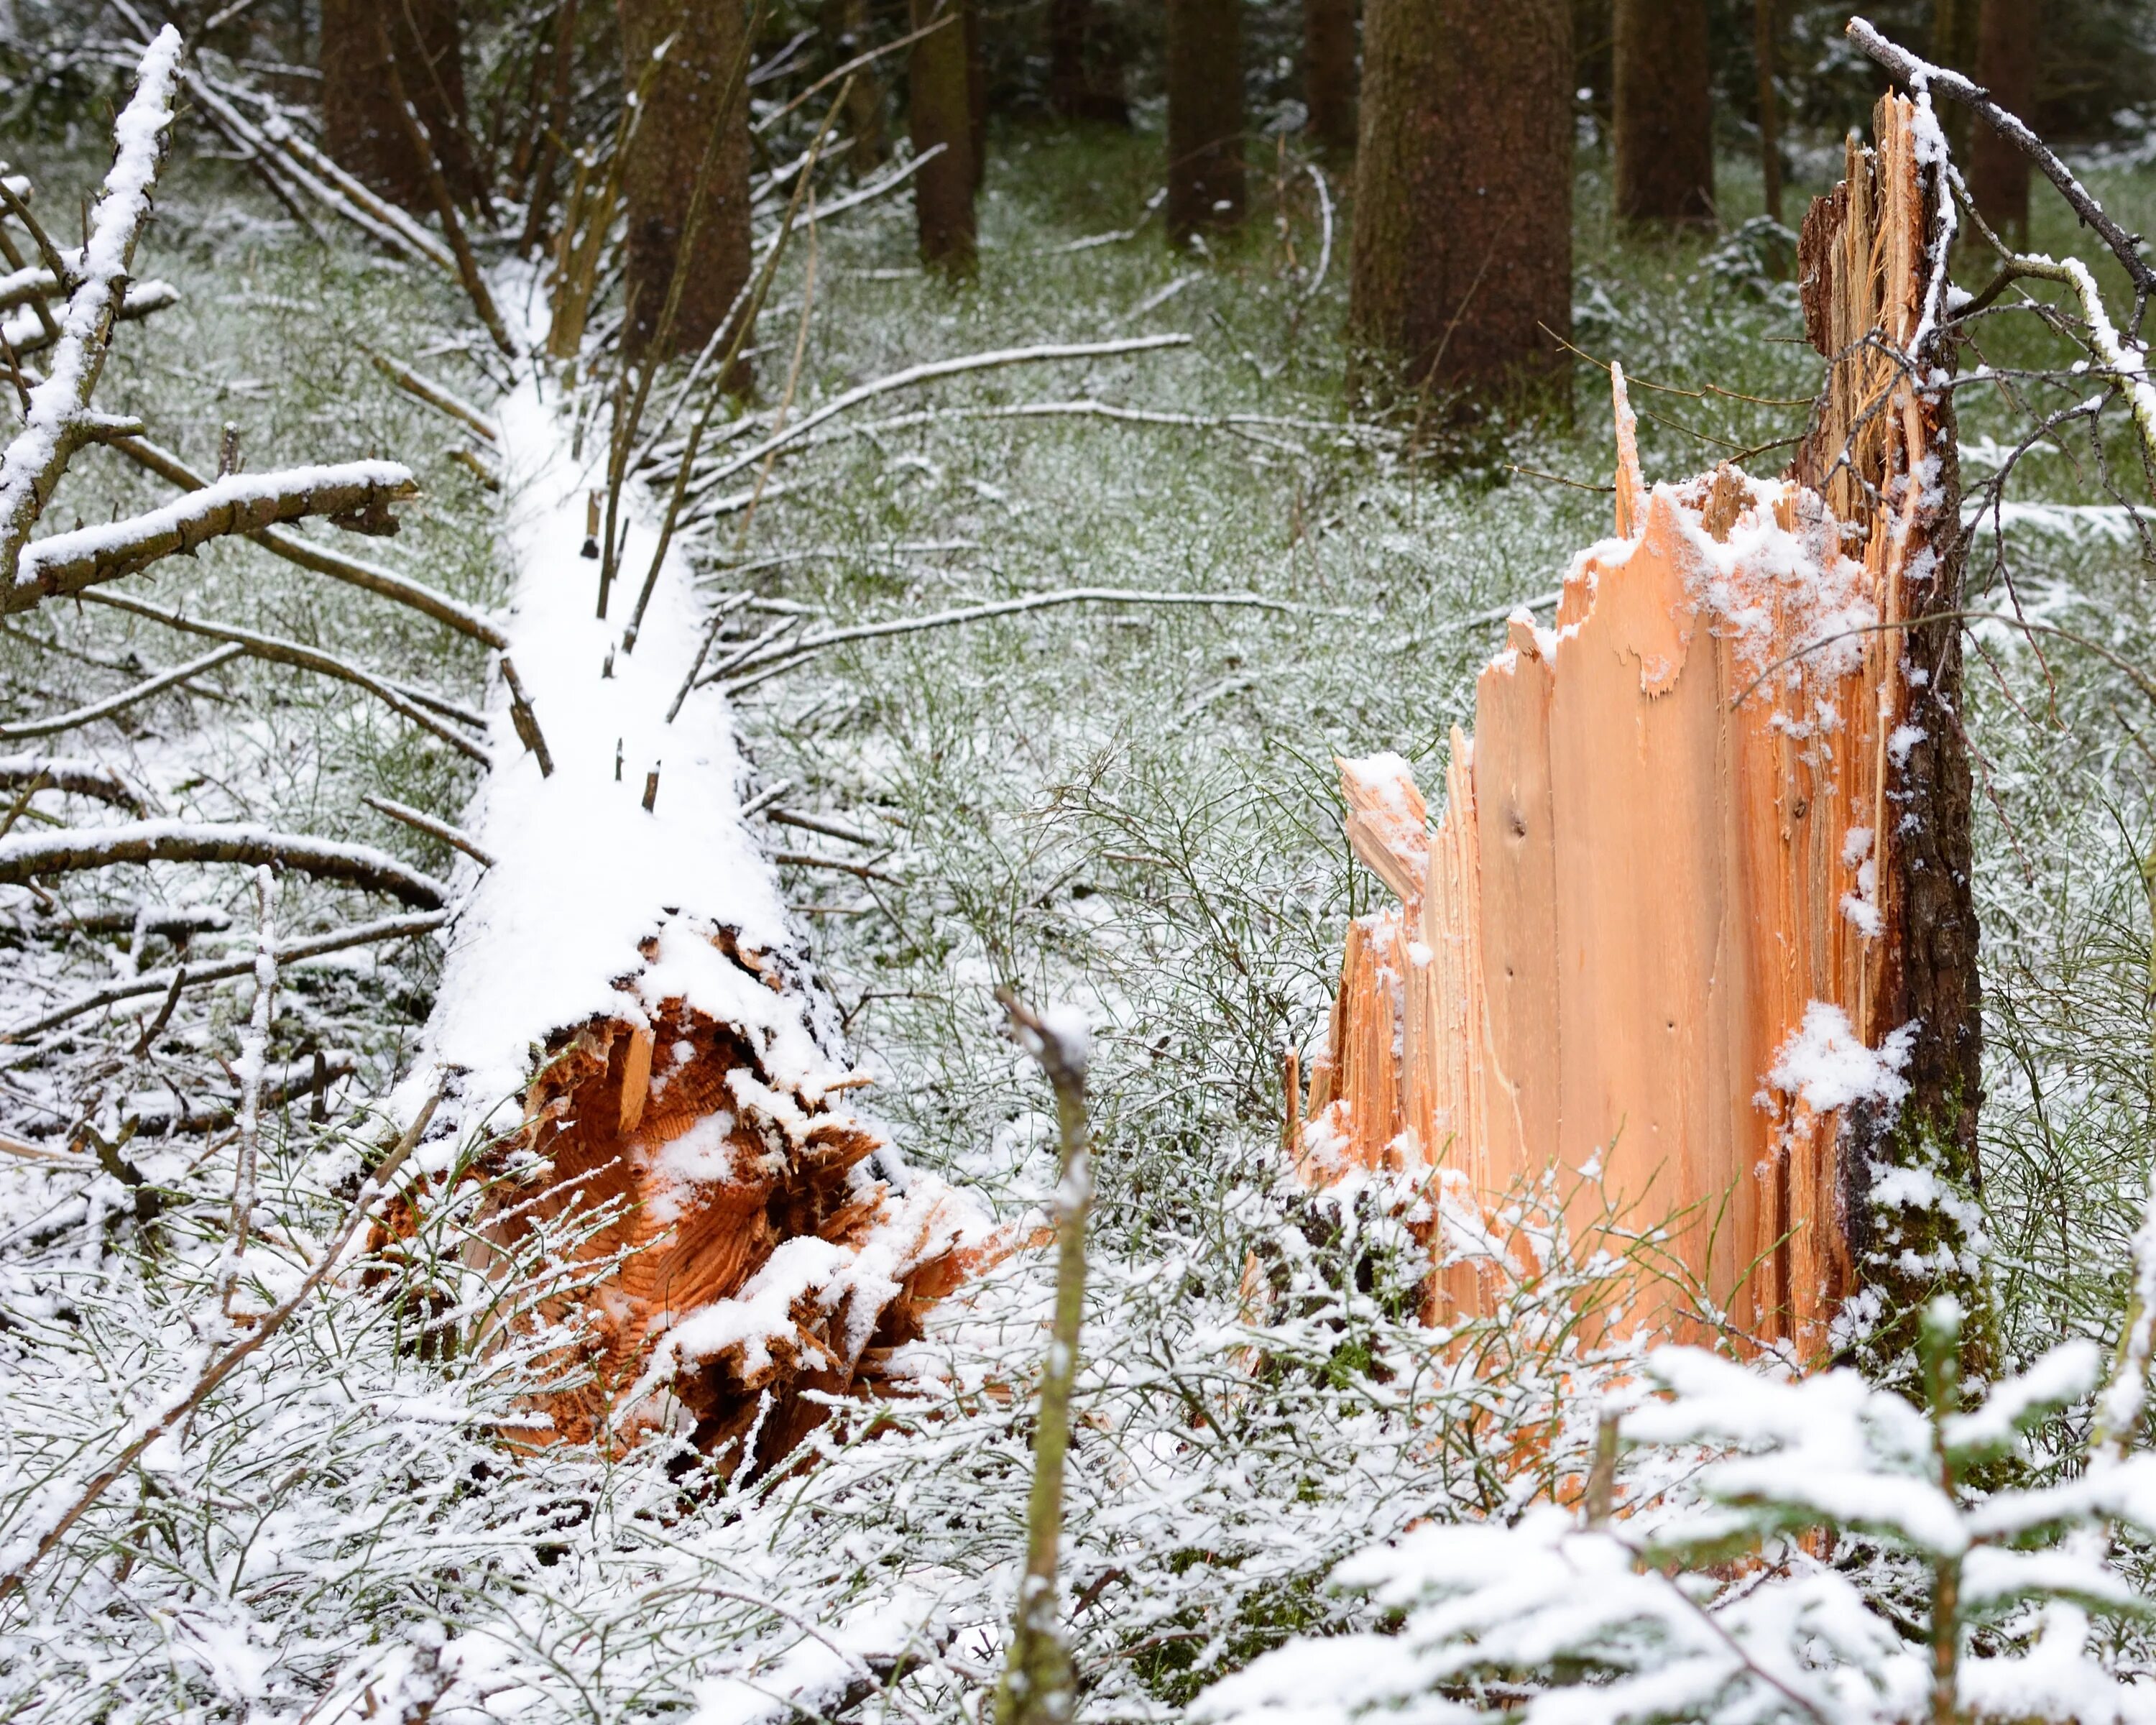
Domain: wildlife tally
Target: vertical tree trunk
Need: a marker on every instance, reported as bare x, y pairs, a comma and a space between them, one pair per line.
1664, 112
2007, 35
1204, 116
561, 75
1954, 43
1328, 46
976, 92
1067, 20
696, 114
847, 27
939, 112
1085, 67
360, 127
1763, 31
1462, 243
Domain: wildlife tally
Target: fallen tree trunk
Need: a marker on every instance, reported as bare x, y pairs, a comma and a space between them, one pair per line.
1693, 930
625, 976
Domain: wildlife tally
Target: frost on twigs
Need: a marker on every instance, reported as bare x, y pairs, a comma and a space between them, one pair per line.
1764, 1519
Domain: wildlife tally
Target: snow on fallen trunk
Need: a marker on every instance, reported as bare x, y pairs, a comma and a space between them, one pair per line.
628, 1014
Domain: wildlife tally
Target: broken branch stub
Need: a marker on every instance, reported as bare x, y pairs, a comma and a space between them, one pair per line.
1659, 939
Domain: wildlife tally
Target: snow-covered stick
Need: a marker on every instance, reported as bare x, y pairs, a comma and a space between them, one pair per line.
25, 857
355, 495
77, 778
52, 430
254, 1049
148, 1429
437, 396
58, 722
388, 583
1038, 1684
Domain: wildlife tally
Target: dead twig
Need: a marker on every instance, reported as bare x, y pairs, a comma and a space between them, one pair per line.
197, 975
81, 716
421, 821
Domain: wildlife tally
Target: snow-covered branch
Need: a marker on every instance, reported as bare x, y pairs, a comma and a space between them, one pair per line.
25, 857
353, 494
52, 432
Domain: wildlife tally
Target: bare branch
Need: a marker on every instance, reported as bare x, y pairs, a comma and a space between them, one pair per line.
126, 698
913, 375
196, 975
426, 823
302, 657
1001, 607
355, 493
24, 857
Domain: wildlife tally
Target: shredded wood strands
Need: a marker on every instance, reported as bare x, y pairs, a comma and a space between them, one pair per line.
1650, 943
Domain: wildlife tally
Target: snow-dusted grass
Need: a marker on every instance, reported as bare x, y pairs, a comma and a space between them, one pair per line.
1128, 808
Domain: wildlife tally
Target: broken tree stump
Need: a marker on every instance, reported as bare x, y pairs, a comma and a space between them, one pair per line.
1664, 938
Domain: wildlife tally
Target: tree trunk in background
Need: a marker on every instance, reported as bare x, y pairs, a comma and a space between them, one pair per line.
1085, 65
1954, 43
847, 25
695, 99
940, 113
1664, 112
560, 76
360, 127
2008, 35
1204, 116
1462, 245
977, 94
1328, 39
1763, 33
1591, 73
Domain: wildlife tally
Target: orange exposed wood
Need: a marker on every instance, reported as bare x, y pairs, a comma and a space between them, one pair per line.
762, 1261
1661, 864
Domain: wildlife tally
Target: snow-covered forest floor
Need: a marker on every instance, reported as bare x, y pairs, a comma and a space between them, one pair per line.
1129, 807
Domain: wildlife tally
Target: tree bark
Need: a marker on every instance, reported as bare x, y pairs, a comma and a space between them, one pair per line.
2008, 35
360, 127
1205, 117
1462, 243
697, 112
847, 24
1954, 43
976, 92
1664, 112
1764, 21
1328, 48
940, 111
1085, 74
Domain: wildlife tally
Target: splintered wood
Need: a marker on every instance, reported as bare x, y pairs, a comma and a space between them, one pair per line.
758, 1257
1643, 949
